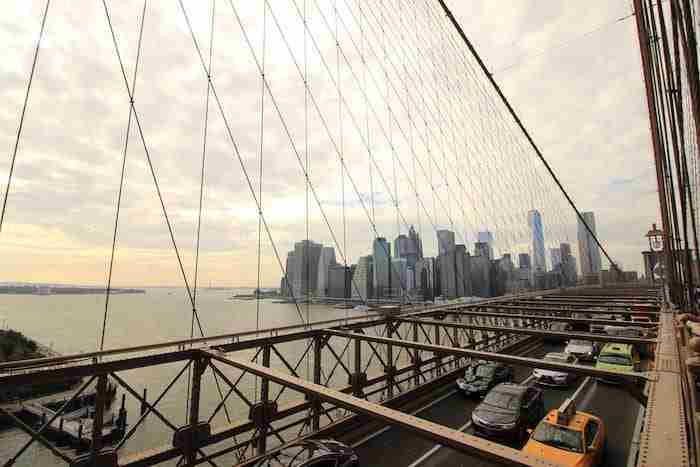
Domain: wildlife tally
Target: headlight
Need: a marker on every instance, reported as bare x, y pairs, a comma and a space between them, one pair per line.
479, 420
506, 426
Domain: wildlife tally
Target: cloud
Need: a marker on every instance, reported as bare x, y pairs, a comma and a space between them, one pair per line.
443, 148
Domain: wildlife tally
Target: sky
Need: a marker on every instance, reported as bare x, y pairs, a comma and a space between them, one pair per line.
570, 70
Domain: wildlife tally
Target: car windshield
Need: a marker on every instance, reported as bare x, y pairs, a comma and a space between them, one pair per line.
579, 342
559, 358
505, 400
485, 371
615, 359
559, 437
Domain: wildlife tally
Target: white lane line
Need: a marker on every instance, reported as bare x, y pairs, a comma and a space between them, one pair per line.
387, 428
437, 447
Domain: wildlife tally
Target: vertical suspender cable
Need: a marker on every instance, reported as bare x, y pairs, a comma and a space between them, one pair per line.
534, 146
24, 111
260, 174
121, 180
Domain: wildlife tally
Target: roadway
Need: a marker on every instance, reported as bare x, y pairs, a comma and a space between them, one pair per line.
398, 447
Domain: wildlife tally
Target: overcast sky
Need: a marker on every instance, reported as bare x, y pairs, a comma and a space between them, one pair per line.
571, 71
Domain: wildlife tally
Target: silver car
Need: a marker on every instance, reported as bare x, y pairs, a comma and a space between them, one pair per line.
581, 349
554, 377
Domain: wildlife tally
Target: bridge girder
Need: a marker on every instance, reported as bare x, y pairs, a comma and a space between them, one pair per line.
636, 377
531, 331
437, 433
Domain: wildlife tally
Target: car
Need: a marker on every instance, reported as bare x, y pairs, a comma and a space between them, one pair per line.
617, 357
480, 377
568, 439
581, 349
554, 377
312, 453
507, 411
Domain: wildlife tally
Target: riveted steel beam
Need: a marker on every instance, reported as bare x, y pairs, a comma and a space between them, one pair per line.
536, 332
497, 357
432, 431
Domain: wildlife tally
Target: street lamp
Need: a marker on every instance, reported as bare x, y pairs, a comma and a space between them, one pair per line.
656, 244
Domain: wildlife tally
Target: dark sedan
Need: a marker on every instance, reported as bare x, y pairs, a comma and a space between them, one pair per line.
507, 411
312, 453
481, 377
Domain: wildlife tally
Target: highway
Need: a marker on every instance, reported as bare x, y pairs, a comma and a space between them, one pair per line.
397, 447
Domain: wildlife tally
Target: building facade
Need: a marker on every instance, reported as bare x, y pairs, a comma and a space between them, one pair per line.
381, 267
363, 279
534, 221
325, 261
446, 241
589, 254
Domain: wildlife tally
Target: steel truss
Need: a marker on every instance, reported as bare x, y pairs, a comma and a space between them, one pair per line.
358, 367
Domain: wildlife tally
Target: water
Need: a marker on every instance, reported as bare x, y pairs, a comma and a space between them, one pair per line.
72, 323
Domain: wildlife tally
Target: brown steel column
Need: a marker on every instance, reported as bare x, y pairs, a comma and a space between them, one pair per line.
316, 407
644, 49
264, 399
98, 420
200, 364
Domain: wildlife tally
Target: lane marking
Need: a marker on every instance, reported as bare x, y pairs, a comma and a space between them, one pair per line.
464, 427
371, 436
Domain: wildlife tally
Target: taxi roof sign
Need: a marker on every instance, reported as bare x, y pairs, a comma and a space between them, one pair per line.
566, 412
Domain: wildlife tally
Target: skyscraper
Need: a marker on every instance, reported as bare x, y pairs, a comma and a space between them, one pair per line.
568, 265
399, 277
534, 220
325, 261
381, 259
417, 242
446, 241
361, 286
555, 256
589, 253
524, 261
486, 237
426, 277
305, 272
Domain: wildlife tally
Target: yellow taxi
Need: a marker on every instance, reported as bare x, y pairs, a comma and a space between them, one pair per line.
568, 437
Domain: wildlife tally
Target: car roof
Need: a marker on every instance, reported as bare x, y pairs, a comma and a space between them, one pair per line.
616, 348
576, 423
562, 355
511, 388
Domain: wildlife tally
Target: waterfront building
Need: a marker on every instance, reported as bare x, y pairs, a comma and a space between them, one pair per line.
555, 256
325, 261
446, 241
363, 277
426, 277
339, 281
305, 272
486, 237
588, 251
381, 264
524, 261
534, 220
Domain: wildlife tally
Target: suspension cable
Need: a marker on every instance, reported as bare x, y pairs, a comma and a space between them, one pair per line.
121, 178
24, 111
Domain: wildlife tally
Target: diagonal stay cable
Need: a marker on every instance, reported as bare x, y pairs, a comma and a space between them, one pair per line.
316, 106
527, 135
237, 152
24, 112
121, 179
152, 169
147, 152
287, 131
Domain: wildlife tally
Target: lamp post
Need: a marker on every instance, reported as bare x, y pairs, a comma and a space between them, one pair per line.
655, 237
